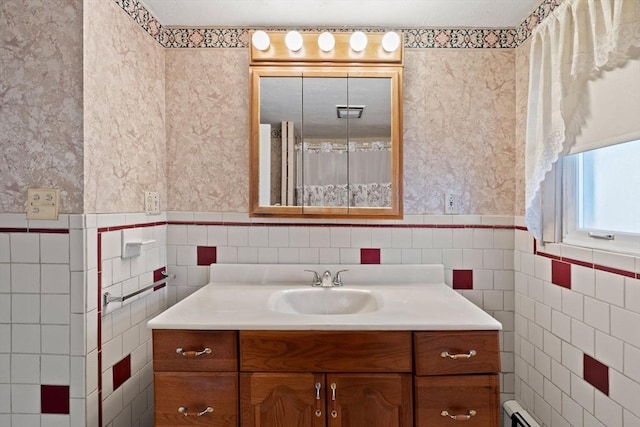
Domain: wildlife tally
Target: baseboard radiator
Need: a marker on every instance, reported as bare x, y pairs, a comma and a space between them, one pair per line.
516, 416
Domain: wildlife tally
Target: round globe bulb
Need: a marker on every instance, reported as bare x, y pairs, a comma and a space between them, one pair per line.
326, 41
293, 40
358, 41
391, 41
260, 40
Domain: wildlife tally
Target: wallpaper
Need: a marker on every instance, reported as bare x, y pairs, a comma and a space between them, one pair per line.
41, 102
522, 90
459, 130
124, 110
208, 129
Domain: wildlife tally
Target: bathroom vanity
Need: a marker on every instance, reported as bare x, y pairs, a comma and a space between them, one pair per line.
394, 347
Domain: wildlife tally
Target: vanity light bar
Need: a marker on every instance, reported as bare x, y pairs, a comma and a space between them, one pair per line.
315, 47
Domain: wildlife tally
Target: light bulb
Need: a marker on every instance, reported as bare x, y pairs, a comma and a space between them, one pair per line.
358, 41
260, 40
326, 41
293, 40
390, 41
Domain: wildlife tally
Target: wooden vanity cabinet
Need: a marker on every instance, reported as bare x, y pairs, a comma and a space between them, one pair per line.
195, 378
327, 378
335, 378
457, 378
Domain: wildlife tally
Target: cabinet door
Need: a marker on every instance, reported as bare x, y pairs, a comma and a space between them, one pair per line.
372, 400
282, 400
446, 400
196, 399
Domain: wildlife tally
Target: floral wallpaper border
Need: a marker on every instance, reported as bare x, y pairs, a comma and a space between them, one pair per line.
425, 38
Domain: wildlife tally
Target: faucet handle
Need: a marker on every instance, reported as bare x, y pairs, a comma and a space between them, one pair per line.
316, 278
337, 279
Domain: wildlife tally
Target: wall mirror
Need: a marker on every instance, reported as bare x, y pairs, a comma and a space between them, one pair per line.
326, 131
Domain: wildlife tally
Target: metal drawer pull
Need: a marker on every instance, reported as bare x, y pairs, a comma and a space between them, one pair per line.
459, 356
318, 387
466, 417
192, 353
184, 412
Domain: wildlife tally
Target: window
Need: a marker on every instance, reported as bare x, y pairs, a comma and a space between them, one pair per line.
601, 198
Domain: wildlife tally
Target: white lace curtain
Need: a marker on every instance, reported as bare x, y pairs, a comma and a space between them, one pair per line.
576, 42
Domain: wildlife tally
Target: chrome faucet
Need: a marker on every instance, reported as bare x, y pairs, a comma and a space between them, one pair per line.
326, 281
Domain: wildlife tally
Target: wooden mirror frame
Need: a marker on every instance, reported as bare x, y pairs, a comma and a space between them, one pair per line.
278, 61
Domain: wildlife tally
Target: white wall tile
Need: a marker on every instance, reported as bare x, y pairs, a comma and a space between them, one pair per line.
197, 235
552, 346
112, 352
78, 377
25, 308
25, 399
25, 247
614, 260
56, 339
422, 238
78, 250
55, 309
632, 294
609, 350
25, 278
542, 267
596, 314
185, 255
582, 392
245, 255
55, 278
258, 236
309, 255
632, 362
340, 237
572, 358
571, 411
288, 256
238, 236
299, 237
572, 304
349, 256
176, 235
25, 368
227, 254
462, 238
493, 259
5, 369
536, 288
319, 237
552, 394
452, 258
472, 259
25, 338
607, 411
5, 247
55, 370
482, 279
553, 296
391, 256
610, 288
583, 280
432, 256
268, 255
625, 325
279, 237
583, 337
624, 391
217, 235
5, 278
630, 420
442, 238
561, 325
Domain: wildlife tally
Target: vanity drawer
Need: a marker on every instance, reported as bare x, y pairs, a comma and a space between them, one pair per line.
325, 351
195, 392
194, 356
445, 352
458, 395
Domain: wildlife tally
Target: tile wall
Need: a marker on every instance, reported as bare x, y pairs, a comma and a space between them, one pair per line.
577, 335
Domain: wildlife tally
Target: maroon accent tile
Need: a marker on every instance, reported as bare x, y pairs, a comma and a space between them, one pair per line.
158, 287
596, 374
578, 262
121, 372
614, 270
550, 256
34, 230
535, 246
462, 279
157, 273
369, 256
207, 255
561, 274
54, 399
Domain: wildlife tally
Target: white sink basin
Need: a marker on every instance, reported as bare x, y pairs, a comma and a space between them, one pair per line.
324, 301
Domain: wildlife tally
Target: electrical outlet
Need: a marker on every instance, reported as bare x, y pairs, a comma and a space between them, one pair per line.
152, 202
42, 203
449, 203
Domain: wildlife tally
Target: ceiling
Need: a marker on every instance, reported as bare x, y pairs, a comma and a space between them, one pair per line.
390, 14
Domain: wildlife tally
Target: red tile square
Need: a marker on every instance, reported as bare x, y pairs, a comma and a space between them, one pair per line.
369, 256
596, 374
561, 273
54, 399
121, 372
462, 279
207, 255
157, 274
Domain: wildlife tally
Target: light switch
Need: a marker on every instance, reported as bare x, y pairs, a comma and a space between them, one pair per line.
42, 203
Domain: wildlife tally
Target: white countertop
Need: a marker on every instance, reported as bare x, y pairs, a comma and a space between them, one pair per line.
244, 304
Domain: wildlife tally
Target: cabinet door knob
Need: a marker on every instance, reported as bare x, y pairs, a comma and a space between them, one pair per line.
184, 412
193, 353
318, 387
459, 356
464, 417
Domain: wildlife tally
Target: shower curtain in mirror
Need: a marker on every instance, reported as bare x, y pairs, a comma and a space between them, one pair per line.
357, 174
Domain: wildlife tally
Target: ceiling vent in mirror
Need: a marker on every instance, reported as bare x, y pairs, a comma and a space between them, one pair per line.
349, 111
